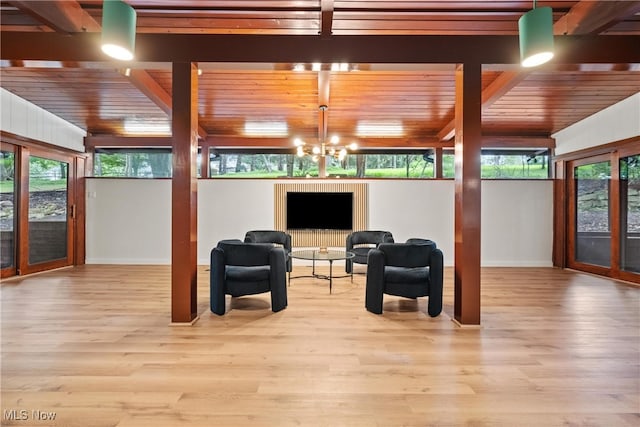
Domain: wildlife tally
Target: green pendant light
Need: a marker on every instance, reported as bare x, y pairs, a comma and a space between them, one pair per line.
536, 36
118, 29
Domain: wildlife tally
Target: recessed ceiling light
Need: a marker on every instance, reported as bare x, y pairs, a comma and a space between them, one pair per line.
146, 127
380, 128
266, 128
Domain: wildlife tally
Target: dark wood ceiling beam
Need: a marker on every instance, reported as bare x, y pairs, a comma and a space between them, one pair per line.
506, 81
326, 17
593, 17
69, 17
488, 141
111, 141
385, 49
586, 17
150, 87
61, 16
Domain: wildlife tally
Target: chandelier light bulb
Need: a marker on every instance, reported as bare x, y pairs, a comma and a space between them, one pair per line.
325, 146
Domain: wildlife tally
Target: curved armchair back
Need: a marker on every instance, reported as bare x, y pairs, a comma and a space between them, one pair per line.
410, 270
272, 236
241, 254
408, 255
374, 237
239, 268
361, 242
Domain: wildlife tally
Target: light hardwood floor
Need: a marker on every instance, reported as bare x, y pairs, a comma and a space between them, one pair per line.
94, 346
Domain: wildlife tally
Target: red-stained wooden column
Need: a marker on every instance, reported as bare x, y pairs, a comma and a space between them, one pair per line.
468, 144
437, 162
184, 192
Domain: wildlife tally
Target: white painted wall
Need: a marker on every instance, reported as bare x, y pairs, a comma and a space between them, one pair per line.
615, 123
129, 220
23, 118
517, 223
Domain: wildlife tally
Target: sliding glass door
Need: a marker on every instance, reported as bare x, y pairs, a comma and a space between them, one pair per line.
630, 214
39, 222
603, 207
592, 195
48, 213
8, 215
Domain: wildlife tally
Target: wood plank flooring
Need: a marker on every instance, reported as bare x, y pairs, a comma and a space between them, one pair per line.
93, 346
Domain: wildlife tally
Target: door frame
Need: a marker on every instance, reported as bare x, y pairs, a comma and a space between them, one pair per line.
77, 164
565, 209
13, 269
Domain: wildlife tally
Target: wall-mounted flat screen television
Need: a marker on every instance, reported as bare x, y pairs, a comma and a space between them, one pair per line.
319, 210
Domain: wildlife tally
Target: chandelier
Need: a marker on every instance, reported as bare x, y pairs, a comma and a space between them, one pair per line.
324, 148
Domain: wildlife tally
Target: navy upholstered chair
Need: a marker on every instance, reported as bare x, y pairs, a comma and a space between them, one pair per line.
272, 236
239, 268
411, 270
361, 242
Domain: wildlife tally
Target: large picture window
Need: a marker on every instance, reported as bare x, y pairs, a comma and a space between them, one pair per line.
134, 163
505, 164
138, 162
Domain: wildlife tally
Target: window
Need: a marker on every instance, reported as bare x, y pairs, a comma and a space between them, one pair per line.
134, 162
237, 164
283, 163
505, 164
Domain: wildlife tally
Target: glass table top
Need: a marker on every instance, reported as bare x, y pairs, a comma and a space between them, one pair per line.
315, 254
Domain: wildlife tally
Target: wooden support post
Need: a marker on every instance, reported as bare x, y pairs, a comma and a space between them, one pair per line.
437, 162
560, 194
184, 193
468, 144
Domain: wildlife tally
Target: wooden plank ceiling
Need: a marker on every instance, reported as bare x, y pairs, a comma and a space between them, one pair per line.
417, 100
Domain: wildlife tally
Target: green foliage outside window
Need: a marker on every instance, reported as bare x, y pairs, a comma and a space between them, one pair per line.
504, 166
150, 163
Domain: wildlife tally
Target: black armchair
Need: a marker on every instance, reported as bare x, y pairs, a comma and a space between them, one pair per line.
239, 268
361, 242
410, 270
272, 236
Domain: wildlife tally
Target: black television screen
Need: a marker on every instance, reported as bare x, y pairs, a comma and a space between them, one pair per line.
319, 210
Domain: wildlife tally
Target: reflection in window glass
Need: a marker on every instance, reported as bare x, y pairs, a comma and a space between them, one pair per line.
47, 209
135, 163
7, 208
266, 165
505, 164
399, 165
239, 165
593, 235
630, 214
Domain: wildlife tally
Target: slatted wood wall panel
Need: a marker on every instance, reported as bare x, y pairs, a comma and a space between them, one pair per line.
330, 238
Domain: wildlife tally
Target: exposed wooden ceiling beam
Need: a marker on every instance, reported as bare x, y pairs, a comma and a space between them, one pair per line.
150, 87
593, 17
586, 17
69, 17
386, 49
490, 141
326, 17
61, 16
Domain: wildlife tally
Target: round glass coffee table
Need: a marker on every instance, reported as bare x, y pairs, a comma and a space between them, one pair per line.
317, 255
